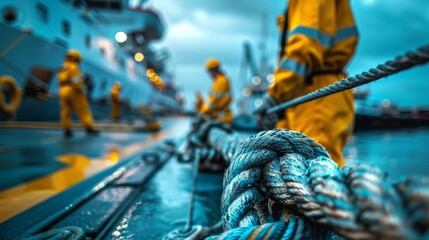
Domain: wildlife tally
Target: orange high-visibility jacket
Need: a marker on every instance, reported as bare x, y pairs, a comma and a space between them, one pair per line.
322, 36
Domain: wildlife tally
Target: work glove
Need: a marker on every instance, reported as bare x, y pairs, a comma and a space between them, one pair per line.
266, 121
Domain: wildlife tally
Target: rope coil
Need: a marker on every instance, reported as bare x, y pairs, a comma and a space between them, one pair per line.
287, 176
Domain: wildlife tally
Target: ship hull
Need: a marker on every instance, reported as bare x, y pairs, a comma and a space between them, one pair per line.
23, 54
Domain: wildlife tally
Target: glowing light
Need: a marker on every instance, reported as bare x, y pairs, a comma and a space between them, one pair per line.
258, 102
154, 78
270, 78
121, 37
179, 95
246, 92
138, 57
386, 103
256, 80
114, 155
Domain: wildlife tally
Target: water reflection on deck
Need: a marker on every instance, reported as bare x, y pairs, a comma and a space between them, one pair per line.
38, 164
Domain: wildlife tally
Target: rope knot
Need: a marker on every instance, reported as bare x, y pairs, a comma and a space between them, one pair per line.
294, 175
257, 170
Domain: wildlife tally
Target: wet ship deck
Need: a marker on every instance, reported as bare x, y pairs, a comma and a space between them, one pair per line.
38, 164
100, 185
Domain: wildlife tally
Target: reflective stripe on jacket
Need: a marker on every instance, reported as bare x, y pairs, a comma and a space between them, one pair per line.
321, 36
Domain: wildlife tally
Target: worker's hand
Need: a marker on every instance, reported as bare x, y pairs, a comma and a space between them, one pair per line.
266, 121
205, 109
77, 80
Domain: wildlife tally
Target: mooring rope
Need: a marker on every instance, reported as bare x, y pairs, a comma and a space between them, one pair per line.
284, 175
279, 175
215, 135
296, 228
400, 63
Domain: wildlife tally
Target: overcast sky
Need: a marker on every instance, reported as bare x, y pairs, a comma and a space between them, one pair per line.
200, 29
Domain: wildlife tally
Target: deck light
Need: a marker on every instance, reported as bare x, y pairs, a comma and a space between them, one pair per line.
256, 80
121, 37
138, 57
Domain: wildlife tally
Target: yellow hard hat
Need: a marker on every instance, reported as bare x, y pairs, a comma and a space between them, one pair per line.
280, 22
212, 63
74, 54
117, 84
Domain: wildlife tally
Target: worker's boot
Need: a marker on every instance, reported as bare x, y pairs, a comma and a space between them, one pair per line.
92, 132
68, 133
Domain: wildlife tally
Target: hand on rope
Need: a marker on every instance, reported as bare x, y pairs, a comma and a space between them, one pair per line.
198, 140
266, 121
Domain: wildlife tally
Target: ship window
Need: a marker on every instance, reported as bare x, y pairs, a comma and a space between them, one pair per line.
61, 43
88, 41
77, 3
9, 15
42, 10
103, 84
103, 51
38, 82
66, 27
120, 61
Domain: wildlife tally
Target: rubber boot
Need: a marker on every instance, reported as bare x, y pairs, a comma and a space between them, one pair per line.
68, 133
92, 132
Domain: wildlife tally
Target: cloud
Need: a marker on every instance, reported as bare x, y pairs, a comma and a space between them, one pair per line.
185, 30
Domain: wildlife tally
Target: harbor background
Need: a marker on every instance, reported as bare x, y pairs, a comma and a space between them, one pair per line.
387, 28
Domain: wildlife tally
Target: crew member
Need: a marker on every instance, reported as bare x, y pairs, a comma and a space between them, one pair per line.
115, 97
199, 102
220, 97
321, 39
72, 95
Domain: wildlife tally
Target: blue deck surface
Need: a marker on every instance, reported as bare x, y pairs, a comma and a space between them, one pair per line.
27, 154
36, 164
163, 204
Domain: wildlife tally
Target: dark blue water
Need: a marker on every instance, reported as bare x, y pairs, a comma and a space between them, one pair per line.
164, 203
400, 153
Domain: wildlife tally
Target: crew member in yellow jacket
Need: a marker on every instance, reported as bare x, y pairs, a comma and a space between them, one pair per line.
220, 96
321, 39
199, 102
115, 97
72, 95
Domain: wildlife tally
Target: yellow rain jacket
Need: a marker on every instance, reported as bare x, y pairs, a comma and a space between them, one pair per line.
116, 101
72, 96
219, 100
199, 103
321, 37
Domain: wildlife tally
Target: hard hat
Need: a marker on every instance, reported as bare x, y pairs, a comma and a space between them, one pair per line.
212, 64
117, 84
280, 22
74, 54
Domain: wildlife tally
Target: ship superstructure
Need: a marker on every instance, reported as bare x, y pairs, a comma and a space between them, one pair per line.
37, 34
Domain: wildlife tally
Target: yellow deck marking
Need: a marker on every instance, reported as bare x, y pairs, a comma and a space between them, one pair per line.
25, 196
20, 198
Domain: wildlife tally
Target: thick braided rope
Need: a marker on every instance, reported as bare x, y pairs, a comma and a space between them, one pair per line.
216, 135
224, 143
295, 228
400, 63
292, 169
